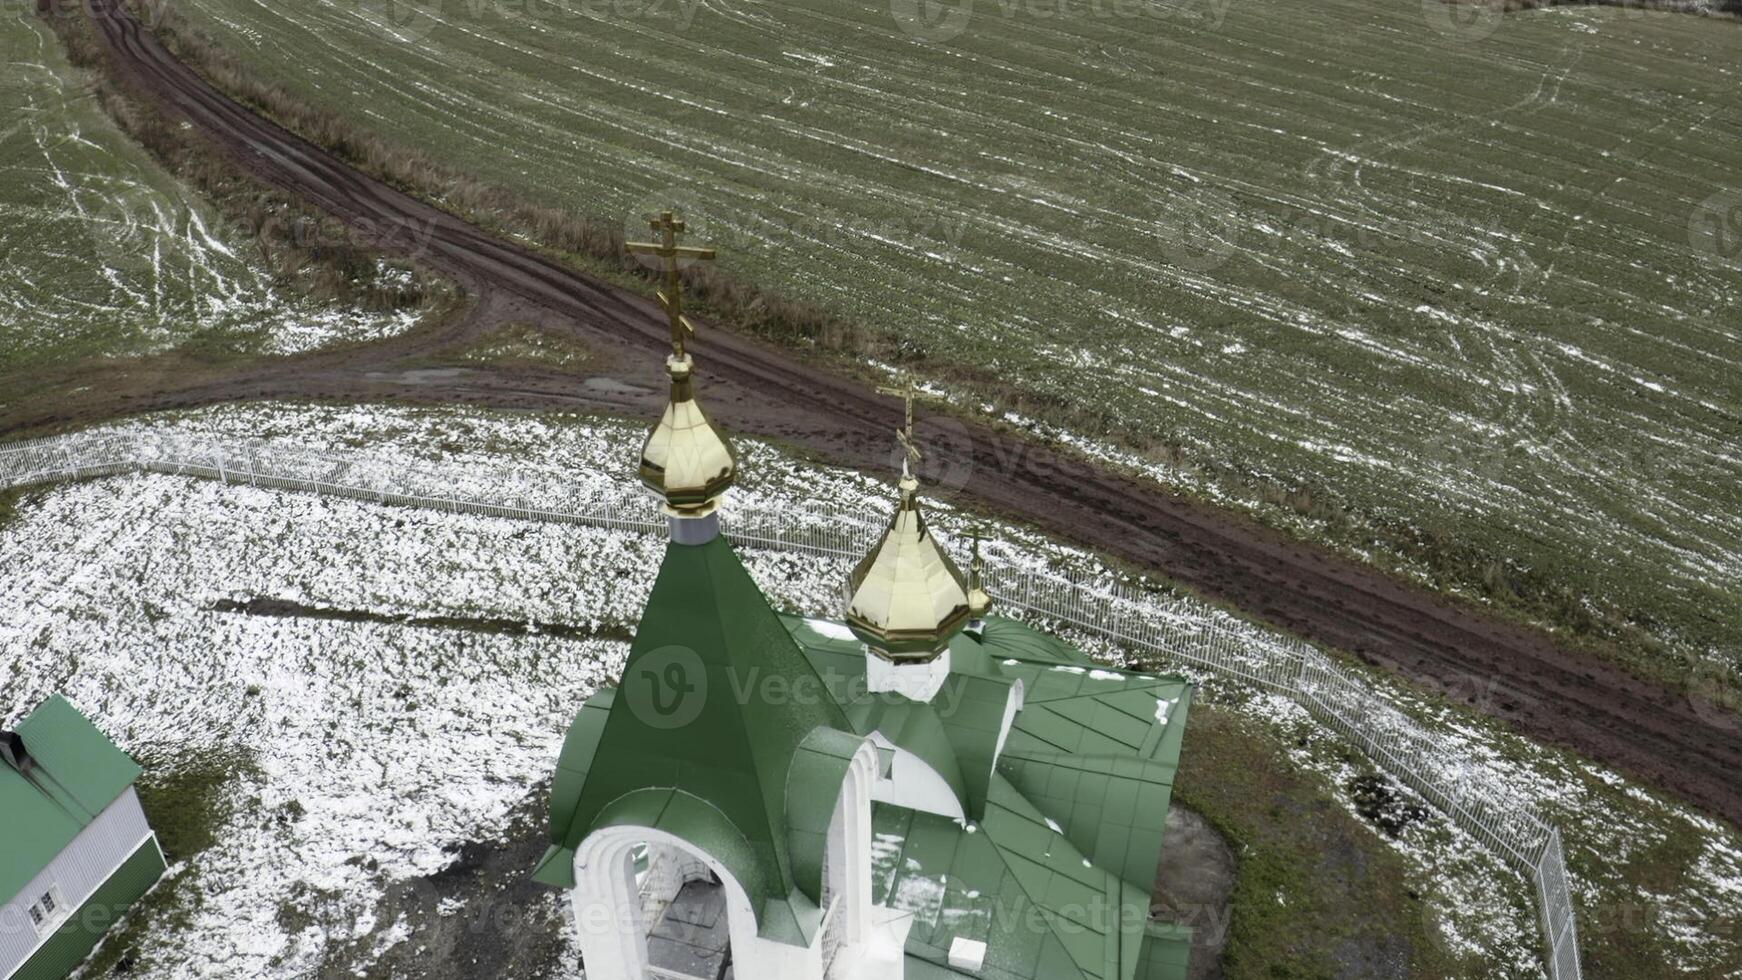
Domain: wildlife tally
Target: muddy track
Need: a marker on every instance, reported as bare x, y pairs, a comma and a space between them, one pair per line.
1515, 674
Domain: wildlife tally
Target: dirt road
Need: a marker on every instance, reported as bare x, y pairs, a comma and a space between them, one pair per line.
1516, 674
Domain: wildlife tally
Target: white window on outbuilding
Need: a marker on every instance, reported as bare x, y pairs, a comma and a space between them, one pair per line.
47, 912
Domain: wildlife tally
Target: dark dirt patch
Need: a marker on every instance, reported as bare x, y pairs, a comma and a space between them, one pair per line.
284, 608
480, 917
1195, 885
1379, 800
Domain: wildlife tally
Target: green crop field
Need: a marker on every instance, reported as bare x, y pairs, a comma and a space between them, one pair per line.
105, 254
1476, 279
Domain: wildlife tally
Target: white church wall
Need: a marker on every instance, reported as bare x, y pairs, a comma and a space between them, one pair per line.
914, 784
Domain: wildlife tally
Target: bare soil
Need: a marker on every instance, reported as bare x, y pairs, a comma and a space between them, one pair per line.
1521, 676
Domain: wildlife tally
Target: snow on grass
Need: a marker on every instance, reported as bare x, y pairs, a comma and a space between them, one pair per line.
365, 748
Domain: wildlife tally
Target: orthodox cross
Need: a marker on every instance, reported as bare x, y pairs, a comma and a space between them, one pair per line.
669, 226
904, 435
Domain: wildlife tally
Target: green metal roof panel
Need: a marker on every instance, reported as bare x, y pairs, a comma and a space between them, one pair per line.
556, 867
1166, 953
995, 883
813, 790
1117, 819
705, 707
973, 723
579, 748
78, 773
1009, 638
1072, 821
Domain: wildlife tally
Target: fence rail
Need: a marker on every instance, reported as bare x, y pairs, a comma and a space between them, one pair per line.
1183, 630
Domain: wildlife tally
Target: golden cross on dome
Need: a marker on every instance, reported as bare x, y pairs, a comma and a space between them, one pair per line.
904, 435
669, 226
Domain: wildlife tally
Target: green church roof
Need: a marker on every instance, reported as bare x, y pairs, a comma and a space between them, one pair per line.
78, 773
1065, 824
1072, 819
693, 717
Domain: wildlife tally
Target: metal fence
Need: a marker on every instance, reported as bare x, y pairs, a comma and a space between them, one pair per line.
1184, 630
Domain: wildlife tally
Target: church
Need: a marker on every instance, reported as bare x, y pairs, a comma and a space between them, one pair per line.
921, 790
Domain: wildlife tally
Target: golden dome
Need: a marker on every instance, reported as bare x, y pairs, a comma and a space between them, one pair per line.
685, 459
906, 598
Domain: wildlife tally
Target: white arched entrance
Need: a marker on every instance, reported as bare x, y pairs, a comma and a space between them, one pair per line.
616, 905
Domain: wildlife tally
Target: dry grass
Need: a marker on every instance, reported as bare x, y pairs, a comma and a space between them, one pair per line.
307, 252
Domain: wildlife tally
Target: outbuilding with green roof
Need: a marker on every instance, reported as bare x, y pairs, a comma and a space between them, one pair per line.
75, 849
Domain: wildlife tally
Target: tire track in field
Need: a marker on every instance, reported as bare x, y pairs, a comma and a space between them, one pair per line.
1546, 691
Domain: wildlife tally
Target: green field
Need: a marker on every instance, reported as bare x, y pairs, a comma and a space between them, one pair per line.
1471, 285
107, 255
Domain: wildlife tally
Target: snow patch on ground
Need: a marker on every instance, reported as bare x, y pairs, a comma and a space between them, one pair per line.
365, 748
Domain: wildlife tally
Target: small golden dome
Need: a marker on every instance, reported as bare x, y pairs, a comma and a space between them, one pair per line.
979, 601
686, 460
906, 598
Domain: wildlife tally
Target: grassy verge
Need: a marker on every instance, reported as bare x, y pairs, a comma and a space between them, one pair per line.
9, 504
1317, 894
524, 345
187, 806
